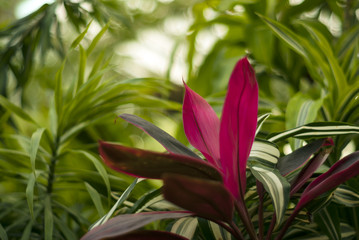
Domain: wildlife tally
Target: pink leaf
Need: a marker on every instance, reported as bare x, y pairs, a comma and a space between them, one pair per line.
238, 125
340, 172
201, 125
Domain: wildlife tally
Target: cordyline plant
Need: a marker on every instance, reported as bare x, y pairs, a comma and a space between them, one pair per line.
215, 188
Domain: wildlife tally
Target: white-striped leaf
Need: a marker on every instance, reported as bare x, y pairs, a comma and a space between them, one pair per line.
264, 152
219, 232
275, 184
316, 130
185, 227
260, 120
346, 196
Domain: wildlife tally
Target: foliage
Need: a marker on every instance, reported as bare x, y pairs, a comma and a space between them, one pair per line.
215, 189
60, 96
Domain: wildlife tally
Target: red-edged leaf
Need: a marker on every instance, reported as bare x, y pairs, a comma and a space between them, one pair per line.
299, 157
168, 142
149, 235
238, 125
340, 172
208, 199
201, 125
122, 224
312, 166
148, 164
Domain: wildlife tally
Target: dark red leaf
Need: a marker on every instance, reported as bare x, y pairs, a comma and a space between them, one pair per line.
123, 224
208, 199
149, 235
148, 164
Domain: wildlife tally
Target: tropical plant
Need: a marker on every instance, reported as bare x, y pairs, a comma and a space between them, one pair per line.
219, 188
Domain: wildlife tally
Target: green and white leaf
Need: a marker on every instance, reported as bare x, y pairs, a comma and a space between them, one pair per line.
265, 152
316, 130
185, 227
346, 196
260, 120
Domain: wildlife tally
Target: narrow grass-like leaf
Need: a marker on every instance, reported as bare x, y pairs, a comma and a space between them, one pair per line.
3, 234
123, 198
96, 198
148, 164
82, 67
147, 200
34, 146
30, 193
185, 227
48, 218
316, 130
66, 231
346, 196
27, 231
99, 167
80, 37
275, 184
97, 39
196, 195
329, 223
169, 142
16, 110
261, 119
58, 89
122, 224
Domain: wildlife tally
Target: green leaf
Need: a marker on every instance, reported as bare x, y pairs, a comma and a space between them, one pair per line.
316, 130
275, 184
185, 227
301, 110
48, 218
265, 152
3, 234
58, 90
169, 142
345, 195
261, 119
96, 198
34, 146
123, 198
16, 110
97, 39
30, 193
328, 221
80, 37
82, 67
100, 168
67, 232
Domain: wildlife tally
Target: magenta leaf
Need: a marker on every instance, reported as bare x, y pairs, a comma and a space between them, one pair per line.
148, 164
168, 142
238, 126
340, 172
201, 125
149, 235
312, 166
123, 224
208, 199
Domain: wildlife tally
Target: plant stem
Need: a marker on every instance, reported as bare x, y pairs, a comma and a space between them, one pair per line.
286, 226
229, 229
271, 227
243, 213
239, 235
260, 210
51, 177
